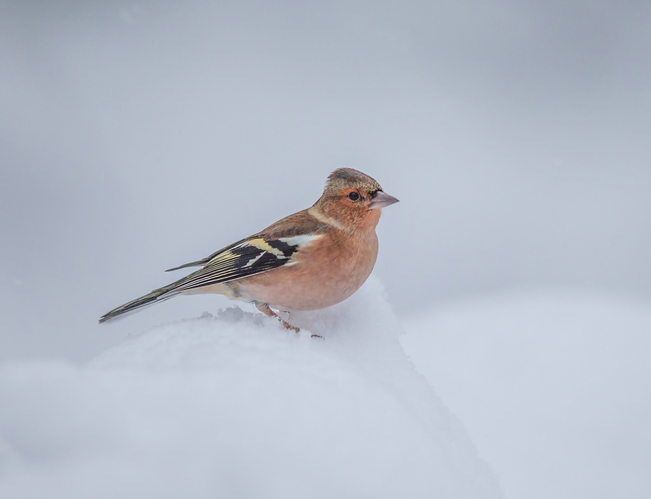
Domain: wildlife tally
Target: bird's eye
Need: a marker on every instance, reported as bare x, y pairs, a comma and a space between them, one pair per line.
354, 196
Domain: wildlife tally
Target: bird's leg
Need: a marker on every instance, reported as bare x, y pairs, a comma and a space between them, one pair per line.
266, 310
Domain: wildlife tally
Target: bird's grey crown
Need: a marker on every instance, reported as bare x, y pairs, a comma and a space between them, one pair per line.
349, 177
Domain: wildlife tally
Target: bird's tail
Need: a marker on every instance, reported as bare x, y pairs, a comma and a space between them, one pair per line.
156, 296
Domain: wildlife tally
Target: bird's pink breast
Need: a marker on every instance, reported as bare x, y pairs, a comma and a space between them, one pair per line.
325, 274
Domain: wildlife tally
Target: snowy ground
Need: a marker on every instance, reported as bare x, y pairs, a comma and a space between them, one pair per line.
554, 388
233, 406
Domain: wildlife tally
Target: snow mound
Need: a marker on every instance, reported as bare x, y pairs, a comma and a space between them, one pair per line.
553, 387
235, 406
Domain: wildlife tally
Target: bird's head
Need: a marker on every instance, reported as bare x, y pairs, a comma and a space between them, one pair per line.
353, 199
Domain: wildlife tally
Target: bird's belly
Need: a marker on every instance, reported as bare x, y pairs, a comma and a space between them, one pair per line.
312, 286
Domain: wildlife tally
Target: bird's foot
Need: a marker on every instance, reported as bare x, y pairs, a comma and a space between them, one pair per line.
266, 310
287, 325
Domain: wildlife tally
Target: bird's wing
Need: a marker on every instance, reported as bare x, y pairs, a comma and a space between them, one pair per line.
204, 261
272, 248
252, 256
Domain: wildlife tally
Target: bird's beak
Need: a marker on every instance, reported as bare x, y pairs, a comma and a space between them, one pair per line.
381, 200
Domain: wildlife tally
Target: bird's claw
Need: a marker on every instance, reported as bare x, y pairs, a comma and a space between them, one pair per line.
287, 325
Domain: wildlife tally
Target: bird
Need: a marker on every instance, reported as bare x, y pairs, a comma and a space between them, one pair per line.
309, 260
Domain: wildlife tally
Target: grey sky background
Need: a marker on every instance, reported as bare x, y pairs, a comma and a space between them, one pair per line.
138, 136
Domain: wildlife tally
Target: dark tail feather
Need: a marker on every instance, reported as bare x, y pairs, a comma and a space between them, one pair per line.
156, 296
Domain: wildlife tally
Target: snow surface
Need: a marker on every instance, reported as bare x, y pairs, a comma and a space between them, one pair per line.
234, 406
554, 388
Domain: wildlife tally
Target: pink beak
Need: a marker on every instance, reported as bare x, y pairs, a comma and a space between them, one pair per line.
381, 200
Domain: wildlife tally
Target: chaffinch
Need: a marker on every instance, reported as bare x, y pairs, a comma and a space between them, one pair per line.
309, 260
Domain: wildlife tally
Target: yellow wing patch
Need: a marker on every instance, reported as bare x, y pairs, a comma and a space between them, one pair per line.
265, 246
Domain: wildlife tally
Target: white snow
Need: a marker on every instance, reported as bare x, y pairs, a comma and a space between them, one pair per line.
234, 406
555, 389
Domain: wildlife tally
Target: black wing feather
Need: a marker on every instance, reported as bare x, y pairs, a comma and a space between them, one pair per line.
204, 261
246, 258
